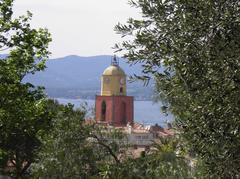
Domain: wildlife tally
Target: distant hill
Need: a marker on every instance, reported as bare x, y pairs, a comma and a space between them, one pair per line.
77, 72
79, 77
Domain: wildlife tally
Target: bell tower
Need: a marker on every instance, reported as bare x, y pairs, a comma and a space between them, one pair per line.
113, 106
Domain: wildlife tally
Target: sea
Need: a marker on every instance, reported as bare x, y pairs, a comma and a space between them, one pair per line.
145, 112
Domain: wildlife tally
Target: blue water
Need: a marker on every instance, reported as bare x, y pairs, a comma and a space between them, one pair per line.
145, 112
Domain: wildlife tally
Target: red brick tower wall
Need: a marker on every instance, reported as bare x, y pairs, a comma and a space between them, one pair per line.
119, 110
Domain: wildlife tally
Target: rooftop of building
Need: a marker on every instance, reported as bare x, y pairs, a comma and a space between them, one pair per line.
138, 128
114, 70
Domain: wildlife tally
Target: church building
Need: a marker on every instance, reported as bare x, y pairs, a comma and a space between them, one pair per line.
113, 106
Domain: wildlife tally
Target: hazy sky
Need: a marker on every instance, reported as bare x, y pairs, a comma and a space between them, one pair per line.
78, 27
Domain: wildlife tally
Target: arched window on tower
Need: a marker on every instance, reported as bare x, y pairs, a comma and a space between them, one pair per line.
123, 113
121, 90
103, 111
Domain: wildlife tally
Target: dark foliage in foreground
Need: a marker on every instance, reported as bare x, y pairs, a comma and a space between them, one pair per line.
198, 43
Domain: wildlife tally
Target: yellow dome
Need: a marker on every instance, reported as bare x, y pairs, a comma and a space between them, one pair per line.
113, 70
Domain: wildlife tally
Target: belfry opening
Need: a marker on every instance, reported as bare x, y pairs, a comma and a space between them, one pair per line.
103, 111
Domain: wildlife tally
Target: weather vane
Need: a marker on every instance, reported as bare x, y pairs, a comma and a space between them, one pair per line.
115, 61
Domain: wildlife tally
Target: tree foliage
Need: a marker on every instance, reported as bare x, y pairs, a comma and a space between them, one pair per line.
23, 112
160, 162
197, 43
74, 149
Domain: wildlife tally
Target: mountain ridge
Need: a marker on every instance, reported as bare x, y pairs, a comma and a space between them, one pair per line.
75, 76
